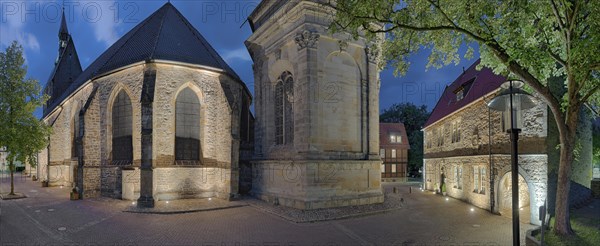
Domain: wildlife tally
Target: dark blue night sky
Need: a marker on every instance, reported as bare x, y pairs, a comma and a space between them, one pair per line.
95, 25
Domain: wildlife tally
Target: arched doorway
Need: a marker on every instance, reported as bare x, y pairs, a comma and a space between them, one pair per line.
505, 197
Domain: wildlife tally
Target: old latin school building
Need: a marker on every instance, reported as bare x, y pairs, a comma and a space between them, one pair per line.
160, 115
467, 149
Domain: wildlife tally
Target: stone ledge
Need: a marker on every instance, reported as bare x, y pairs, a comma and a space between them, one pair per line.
392, 202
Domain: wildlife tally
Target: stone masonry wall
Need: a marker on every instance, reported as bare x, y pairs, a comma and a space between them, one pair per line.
474, 121
193, 182
215, 116
61, 161
533, 168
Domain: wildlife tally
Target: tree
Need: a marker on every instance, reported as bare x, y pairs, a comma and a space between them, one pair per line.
413, 118
530, 40
21, 132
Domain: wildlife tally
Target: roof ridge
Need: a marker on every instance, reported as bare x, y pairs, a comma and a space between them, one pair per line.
160, 27
138, 28
204, 43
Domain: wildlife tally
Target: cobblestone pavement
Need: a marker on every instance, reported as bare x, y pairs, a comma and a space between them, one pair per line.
47, 217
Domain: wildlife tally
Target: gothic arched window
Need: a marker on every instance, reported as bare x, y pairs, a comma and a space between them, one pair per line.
122, 148
284, 114
187, 128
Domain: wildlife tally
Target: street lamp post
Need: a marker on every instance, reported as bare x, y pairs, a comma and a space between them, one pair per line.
512, 100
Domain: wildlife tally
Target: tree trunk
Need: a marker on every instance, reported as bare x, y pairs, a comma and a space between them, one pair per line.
11, 167
562, 224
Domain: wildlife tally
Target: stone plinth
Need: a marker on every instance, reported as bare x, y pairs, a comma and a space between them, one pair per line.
313, 184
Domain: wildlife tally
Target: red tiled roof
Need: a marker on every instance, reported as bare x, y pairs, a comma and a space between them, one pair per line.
384, 134
476, 83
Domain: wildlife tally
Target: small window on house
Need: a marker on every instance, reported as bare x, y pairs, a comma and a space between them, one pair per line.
382, 153
475, 179
382, 168
460, 179
483, 179
459, 95
456, 131
393, 168
393, 153
395, 138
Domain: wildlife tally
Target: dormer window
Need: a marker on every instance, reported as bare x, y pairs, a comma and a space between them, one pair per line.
460, 95
395, 138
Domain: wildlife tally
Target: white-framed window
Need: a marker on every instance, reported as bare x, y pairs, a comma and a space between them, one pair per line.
382, 153
456, 131
475, 179
459, 178
393, 168
428, 139
393, 153
483, 179
382, 168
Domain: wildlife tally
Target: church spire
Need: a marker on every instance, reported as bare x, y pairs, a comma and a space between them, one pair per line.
63, 32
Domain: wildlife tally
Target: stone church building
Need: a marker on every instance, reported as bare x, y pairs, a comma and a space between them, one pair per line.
159, 115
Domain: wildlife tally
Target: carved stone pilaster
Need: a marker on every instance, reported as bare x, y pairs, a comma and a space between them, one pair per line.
306, 39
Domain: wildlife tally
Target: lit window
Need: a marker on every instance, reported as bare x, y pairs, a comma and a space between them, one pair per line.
393, 153
382, 168
187, 128
483, 178
284, 114
476, 179
122, 148
460, 177
393, 168
382, 153
459, 95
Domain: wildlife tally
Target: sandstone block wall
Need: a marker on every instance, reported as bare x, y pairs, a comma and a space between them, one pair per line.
221, 101
317, 184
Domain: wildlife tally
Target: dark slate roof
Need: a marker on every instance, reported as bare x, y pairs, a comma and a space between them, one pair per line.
66, 70
164, 35
475, 84
385, 129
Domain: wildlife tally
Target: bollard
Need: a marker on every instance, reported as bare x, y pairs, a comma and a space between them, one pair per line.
410, 189
395, 190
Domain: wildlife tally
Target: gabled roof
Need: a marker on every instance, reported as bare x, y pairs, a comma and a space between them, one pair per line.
474, 84
164, 35
385, 129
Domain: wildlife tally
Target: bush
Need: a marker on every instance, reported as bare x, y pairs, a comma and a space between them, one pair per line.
20, 169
